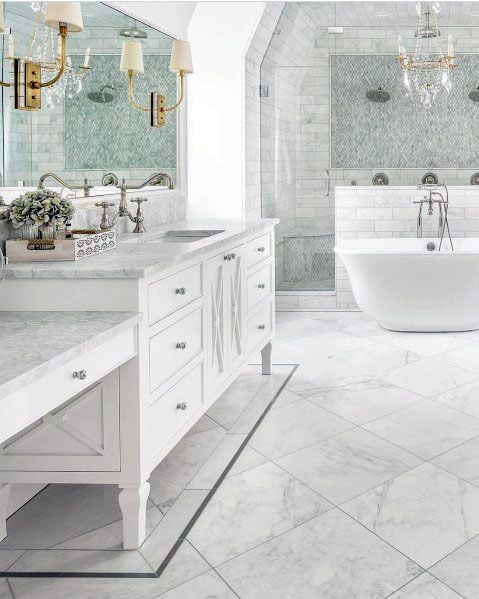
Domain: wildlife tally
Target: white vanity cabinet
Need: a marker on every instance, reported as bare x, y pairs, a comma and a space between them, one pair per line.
201, 321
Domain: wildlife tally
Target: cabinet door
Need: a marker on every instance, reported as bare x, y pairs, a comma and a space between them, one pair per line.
236, 306
216, 322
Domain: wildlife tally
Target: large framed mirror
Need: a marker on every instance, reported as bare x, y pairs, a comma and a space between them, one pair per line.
86, 127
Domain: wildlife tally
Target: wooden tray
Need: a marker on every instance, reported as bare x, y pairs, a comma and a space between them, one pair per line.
77, 248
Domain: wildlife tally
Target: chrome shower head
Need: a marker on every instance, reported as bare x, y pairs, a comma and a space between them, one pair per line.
474, 95
101, 97
133, 31
378, 95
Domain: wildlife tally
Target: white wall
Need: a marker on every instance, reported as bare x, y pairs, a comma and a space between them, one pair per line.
170, 17
220, 34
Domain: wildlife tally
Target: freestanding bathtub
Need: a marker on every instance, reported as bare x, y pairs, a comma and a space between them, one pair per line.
406, 287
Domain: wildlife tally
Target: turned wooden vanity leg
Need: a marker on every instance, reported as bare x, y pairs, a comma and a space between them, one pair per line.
132, 502
5, 489
266, 358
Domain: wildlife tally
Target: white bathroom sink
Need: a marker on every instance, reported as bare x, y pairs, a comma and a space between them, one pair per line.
184, 235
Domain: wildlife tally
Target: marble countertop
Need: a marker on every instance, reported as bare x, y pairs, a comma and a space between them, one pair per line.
139, 256
35, 343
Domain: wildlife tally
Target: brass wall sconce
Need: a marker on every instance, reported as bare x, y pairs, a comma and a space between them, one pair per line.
132, 63
27, 75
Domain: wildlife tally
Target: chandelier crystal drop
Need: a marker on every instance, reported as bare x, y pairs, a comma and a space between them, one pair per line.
429, 68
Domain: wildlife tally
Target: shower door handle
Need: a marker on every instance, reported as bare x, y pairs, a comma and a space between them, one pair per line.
327, 182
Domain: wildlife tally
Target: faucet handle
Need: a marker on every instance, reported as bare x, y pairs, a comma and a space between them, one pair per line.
104, 204
139, 200
105, 223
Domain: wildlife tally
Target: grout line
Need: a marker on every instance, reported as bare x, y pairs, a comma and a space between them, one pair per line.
404, 585
446, 585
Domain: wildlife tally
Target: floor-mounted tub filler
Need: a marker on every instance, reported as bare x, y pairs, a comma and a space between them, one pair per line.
408, 285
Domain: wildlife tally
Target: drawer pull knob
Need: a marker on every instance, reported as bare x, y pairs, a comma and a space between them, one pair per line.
261, 286
80, 374
261, 249
261, 327
182, 405
180, 290
233, 256
181, 345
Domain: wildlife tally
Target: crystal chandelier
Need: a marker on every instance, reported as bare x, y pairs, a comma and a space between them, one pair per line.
44, 49
429, 69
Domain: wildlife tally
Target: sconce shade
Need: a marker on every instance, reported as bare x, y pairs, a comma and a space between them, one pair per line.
68, 13
2, 22
181, 57
132, 57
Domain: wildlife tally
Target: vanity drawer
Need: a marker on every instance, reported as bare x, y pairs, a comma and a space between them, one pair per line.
260, 286
175, 346
259, 326
82, 434
173, 292
170, 412
258, 249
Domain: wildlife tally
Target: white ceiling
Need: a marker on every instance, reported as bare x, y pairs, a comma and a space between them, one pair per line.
384, 14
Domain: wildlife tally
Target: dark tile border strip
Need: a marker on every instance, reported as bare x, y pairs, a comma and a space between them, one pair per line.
187, 528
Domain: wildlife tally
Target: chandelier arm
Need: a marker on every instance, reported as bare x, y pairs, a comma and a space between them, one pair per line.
131, 74
180, 100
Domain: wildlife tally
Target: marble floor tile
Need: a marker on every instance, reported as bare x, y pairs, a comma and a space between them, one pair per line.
463, 398
459, 569
298, 329
425, 586
466, 357
286, 397
331, 343
8, 557
425, 513
159, 543
313, 560
429, 377
426, 429
365, 401
186, 564
61, 560
86, 588
463, 461
5, 592
205, 423
211, 470
174, 473
429, 344
249, 458
295, 426
206, 586
347, 465
258, 404
251, 508
232, 403
74, 509
326, 374
111, 535
339, 320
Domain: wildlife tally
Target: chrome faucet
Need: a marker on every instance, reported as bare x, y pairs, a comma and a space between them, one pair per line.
85, 187
123, 208
443, 204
